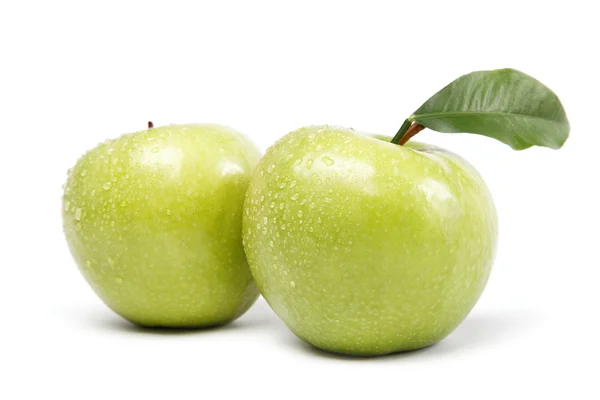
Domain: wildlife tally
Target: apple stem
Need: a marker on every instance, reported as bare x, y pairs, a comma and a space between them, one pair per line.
150, 125
407, 131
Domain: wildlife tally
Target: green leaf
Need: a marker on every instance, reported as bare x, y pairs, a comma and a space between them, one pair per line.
503, 104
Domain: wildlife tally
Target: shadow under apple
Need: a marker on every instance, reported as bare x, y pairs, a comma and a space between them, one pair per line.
477, 331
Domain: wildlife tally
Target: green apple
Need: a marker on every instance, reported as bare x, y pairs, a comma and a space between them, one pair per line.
365, 247
153, 219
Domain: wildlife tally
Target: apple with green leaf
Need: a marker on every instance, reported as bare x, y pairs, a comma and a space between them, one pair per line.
365, 245
153, 219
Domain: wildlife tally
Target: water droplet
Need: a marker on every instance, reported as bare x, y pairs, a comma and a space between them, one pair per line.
282, 185
78, 212
123, 203
67, 205
300, 213
271, 243
327, 161
83, 173
295, 196
88, 263
270, 168
272, 205
281, 206
327, 200
309, 163
109, 151
107, 186
311, 206
168, 211
265, 220
293, 284
292, 184
118, 279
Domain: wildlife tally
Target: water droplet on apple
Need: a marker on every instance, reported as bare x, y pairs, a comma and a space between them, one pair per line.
109, 151
270, 168
107, 186
292, 184
281, 206
300, 213
83, 172
78, 212
295, 196
67, 205
168, 211
118, 279
293, 284
309, 163
327, 161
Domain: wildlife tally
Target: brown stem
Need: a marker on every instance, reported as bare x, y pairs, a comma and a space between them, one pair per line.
412, 131
150, 125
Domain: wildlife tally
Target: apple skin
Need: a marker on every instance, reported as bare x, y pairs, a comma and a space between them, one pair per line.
153, 219
364, 247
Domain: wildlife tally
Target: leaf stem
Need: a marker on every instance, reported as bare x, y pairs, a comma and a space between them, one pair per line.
401, 132
150, 125
407, 131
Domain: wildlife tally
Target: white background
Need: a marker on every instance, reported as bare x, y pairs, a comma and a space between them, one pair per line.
75, 73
